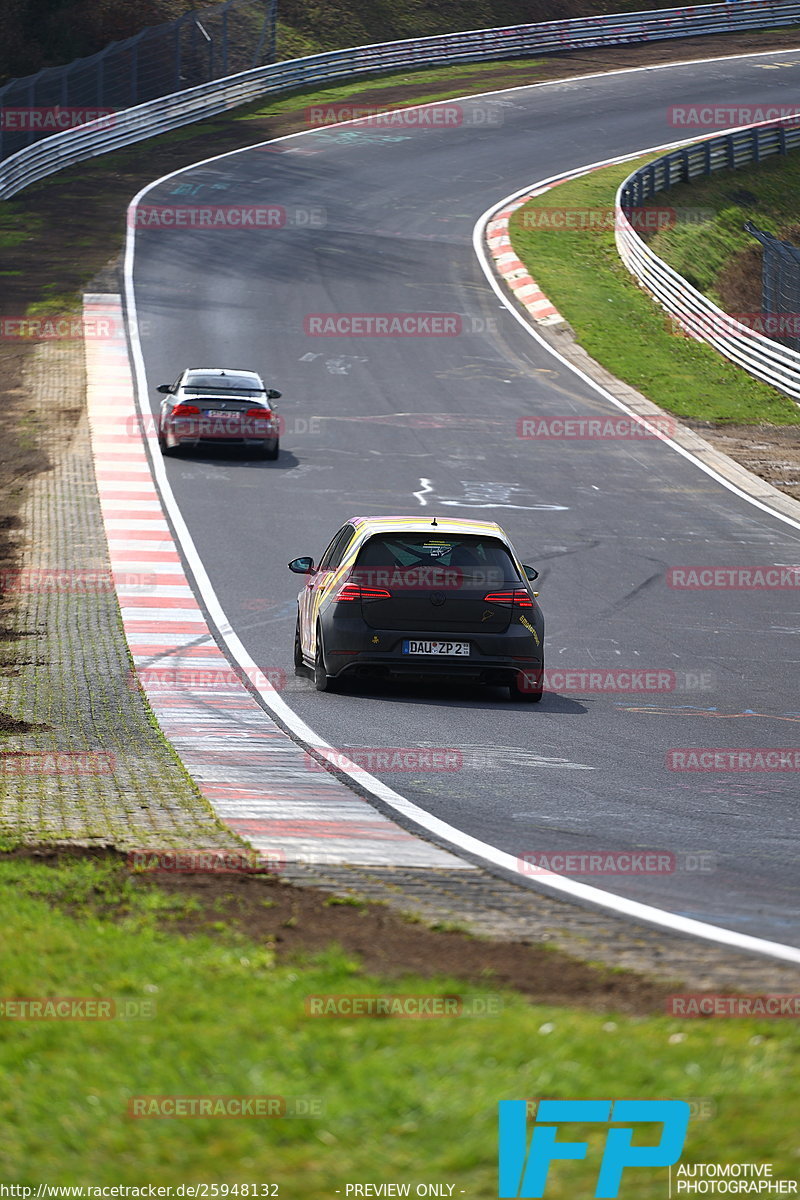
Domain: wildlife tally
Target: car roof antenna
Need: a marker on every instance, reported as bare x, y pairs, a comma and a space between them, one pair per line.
434, 521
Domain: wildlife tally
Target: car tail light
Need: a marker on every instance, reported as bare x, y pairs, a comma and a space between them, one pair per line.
355, 591
518, 596
186, 410
259, 414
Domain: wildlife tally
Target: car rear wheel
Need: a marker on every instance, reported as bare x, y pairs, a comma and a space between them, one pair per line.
167, 450
322, 680
270, 450
528, 686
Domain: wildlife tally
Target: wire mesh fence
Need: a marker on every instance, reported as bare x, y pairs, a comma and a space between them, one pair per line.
198, 47
780, 286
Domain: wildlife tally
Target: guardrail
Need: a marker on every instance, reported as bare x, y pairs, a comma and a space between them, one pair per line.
768, 360
518, 41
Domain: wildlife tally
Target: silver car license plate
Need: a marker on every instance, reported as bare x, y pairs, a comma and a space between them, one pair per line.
449, 648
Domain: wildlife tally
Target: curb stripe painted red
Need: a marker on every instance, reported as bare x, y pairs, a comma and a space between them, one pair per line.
514, 272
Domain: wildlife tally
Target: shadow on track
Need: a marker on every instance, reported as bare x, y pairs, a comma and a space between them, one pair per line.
448, 695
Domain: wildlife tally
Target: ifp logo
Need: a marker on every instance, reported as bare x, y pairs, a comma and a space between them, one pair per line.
523, 1171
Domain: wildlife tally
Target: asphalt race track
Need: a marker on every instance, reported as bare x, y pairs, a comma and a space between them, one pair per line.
381, 221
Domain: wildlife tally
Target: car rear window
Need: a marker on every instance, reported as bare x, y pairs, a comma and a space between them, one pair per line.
221, 383
468, 553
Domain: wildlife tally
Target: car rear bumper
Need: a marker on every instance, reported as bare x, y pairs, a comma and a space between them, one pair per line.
192, 432
352, 648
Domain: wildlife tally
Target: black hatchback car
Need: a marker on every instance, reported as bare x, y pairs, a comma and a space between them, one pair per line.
404, 597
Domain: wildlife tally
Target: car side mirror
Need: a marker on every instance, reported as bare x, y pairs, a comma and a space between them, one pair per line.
166, 388
530, 572
302, 566
272, 394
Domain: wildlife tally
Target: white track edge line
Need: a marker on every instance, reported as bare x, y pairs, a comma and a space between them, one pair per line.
375, 787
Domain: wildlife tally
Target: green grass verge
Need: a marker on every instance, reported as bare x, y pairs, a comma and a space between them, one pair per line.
766, 195
14, 229
401, 1099
618, 323
426, 79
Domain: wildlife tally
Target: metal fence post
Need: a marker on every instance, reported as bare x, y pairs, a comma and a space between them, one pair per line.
210, 41
178, 34
135, 73
268, 33
273, 30
31, 103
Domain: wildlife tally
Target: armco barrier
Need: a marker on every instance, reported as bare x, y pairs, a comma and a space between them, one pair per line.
768, 360
181, 108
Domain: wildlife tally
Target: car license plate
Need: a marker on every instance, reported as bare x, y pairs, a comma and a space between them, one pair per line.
449, 648
215, 412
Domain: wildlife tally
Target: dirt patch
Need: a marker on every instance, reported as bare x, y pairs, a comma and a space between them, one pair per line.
20, 456
297, 922
12, 725
770, 451
738, 284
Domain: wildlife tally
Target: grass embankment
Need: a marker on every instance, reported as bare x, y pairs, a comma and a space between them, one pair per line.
618, 323
310, 26
717, 256
400, 1099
